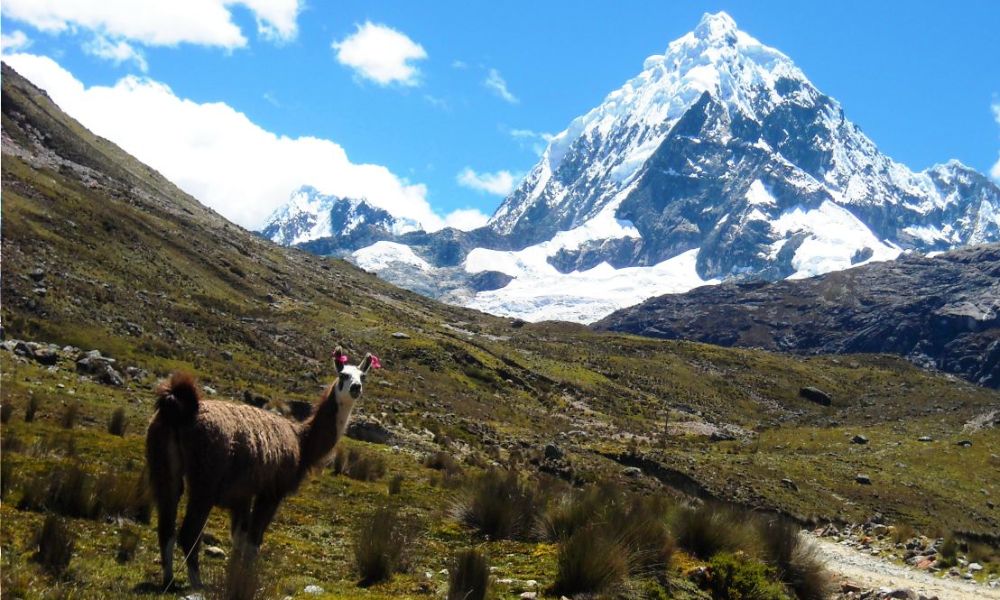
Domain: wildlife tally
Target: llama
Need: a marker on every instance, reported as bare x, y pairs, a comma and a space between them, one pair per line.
237, 457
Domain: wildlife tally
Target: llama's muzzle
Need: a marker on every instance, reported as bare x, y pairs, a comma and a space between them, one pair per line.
355, 390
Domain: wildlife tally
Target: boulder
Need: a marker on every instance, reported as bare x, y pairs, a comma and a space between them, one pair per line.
816, 395
553, 451
369, 430
859, 439
863, 479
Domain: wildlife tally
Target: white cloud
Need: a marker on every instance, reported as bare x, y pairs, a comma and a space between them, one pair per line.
495, 82
381, 54
466, 219
216, 153
14, 42
459, 64
499, 184
160, 22
995, 171
536, 140
117, 52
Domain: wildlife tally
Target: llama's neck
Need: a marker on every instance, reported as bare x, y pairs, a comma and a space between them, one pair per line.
321, 432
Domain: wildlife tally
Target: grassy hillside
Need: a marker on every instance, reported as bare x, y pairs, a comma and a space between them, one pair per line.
101, 252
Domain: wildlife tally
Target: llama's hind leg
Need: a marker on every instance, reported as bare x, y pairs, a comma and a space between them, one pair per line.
264, 509
165, 526
195, 518
239, 529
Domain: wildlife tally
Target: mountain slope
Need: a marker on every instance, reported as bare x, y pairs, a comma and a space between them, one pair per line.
722, 151
941, 312
101, 252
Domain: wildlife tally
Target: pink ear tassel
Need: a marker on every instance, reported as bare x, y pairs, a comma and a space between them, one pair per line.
376, 363
342, 359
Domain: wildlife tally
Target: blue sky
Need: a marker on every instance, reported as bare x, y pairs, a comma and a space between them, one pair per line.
921, 81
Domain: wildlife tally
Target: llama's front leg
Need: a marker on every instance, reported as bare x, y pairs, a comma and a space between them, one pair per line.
239, 529
195, 518
166, 522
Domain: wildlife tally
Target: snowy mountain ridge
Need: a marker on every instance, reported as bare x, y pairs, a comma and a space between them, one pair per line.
720, 160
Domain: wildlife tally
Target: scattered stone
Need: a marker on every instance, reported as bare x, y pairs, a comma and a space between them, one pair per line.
632, 472
133, 328
863, 479
46, 356
214, 552
964, 443
553, 451
859, 439
37, 274
227, 355
368, 429
211, 391
314, 589
40, 291
788, 483
816, 395
254, 399
528, 595
975, 567
925, 438
399, 335
850, 587
901, 593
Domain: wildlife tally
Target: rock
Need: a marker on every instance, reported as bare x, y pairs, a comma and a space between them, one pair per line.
925, 438
901, 593
553, 451
863, 479
37, 274
254, 399
850, 587
214, 552
964, 443
788, 483
109, 376
528, 595
40, 291
314, 589
632, 472
816, 395
399, 335
211, 391
975, 567
133, 328
368, 429
859, 439
227, 355
46, 356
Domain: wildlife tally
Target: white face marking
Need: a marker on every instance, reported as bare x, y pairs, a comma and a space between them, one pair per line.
350, 378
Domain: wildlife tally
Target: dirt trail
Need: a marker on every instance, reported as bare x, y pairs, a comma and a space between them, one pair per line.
873, 572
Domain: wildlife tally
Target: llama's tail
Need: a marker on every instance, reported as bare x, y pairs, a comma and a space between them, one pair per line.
177, 399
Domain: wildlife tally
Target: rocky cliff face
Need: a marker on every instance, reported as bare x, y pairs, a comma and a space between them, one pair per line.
941, 312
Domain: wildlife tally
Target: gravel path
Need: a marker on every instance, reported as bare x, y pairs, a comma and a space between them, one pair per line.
873, 572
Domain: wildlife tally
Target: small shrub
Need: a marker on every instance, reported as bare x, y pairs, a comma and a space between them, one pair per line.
70, 415
737, 577
396, 485
11, 442
30, 409
949, 550
68, 491
589, 562
378, 546
128, 544
500, 506
708, 529
6, 478
469, 577
123, 496
117, 422
442, 461
794, 559
55, 545
6, 410
364, 466
902, 532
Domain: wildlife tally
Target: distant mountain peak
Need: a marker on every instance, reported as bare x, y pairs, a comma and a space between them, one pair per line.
716, 28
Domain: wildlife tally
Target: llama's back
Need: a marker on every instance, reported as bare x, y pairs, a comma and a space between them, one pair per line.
237, 449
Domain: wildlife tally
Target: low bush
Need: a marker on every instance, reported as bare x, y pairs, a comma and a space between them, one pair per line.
442, 461
30, 409
6, 411
128, 544
117, 423
358, 464
378, 546
738, 577
55, 545
709, 529
590, 561
124, 496
794, 559
500, 506
469, 576
396, 485
70, 415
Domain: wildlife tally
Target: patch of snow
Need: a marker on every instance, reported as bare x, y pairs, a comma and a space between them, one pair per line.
540, 292
381, 255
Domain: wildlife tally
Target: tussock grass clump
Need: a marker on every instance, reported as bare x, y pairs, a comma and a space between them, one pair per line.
902, 532
125, 496
6, 478
949, 550
358, 464
70, 415
6, 411
68, 491
128, 544
31, 408
11, 442
738, 577
118, 422
590, 561
55, 545
442, 461
500, 506
795, 560
469, 576
396, 484
709, 529
378, 546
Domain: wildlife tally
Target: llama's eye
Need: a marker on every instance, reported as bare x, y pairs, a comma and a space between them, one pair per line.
363, 376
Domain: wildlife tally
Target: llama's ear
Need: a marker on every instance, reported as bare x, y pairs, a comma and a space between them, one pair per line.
339, 359
366, 363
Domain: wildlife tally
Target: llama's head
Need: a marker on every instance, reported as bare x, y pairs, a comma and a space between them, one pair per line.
350, 379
